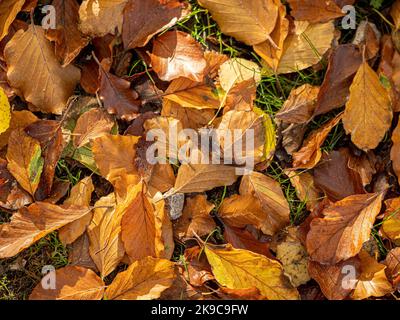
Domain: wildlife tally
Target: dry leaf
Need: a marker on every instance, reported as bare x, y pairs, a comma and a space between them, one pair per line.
99, 17
81, 195
144, 280
68, 39
91, 125
391, 220
345, 226
270, 195
306, 190
372, 280
395, 151
29, 55
106, 247
304, 48
251, 21
242, 269
334, 279
8, 12
176, 54
315, 11
310, 153
368, 114
196, 219
25, 161
73, 283
30, 224
142, 20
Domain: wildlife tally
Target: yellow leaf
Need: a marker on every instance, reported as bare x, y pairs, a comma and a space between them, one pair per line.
5, 112
8, 12
243, 269
144, 280
368, 114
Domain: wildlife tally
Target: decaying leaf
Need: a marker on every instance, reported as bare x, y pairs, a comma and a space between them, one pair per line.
8, 12
315, 11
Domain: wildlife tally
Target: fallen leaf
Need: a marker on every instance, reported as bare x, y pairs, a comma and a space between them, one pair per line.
336, 281
176, 54
393, 266
270, 195
117, 96
391, 220
372, 280
8, 12
310, 153
250, 22
345, 226
335, 177
99, 17
30, 224
25, 161
203, 177
395, 151
91, 125
67, 37
142, 20
5, 112
196, 219
315, 12
115, 156
106, 247
304, 48
242, 269
79, 255
73, 283
81, 195
198, 269
144, 280
368, 113
30, 56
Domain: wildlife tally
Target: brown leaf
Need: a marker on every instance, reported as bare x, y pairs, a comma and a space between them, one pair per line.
142, 225
79, 255
176, 54
372, 280
270, 195
162, 177
346, 225
67, 37
331, 278
300, 105
25, 161
142, 20
395, 13
144, 280
334, 176
310, 153
203, 177
250, 22
99, 17
342, 67
115, 156
315, 11
106, 247
73, 283
30, 224
81, 195
198, 269
395, 151
8, 12
393, 266
269, 52
91, 125
30, 56
196, 219
368, 114
391, 220
118, 97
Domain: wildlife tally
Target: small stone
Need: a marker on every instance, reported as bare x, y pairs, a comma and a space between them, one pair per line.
174, 205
